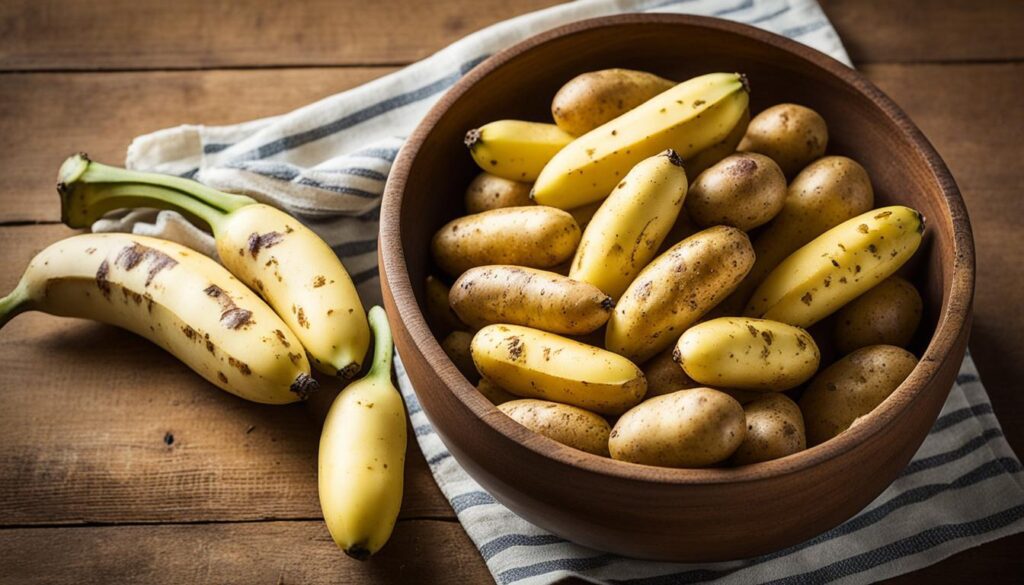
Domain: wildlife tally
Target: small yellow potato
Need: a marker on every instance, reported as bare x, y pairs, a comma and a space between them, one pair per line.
625, 233
514, 149
591, 99
748, 354
569, 425
536, 237
775, 428
487, 192
664, 376
525, 296
456, 345
440, 317
828, 192
496, 394
790, 134
697, 427
535, 364
703, 160
888, 314
851, 388
676, 289
744, 190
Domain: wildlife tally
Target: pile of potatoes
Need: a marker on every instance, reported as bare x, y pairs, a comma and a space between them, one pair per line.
643, 327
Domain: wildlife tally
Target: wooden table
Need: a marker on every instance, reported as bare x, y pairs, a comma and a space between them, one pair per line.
118, 464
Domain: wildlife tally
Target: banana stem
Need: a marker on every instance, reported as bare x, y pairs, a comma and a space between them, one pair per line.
79, 169
82, 204
383, 346
13, 305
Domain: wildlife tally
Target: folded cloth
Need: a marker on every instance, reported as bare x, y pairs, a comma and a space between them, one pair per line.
327, 163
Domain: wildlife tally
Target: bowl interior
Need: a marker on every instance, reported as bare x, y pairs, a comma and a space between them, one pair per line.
863, 124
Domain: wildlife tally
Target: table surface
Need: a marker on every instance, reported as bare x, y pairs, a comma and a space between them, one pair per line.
119, 464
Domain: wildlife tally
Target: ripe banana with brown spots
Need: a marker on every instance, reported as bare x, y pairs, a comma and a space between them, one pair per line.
270, 251
177, 298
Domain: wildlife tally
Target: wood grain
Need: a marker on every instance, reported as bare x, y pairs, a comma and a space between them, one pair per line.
269, 553
102, 426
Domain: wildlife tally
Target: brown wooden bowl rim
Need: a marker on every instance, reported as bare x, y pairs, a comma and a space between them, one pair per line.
953, 318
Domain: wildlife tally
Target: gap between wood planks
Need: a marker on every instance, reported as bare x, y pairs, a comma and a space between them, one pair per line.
93, 524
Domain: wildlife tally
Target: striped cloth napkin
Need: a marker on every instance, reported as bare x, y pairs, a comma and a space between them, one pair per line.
327, 164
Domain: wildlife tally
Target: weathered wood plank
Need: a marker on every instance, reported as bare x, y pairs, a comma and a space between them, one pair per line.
98, 425
420, 551
70, 35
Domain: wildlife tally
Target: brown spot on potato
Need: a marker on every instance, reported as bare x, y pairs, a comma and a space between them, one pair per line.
319, 281
807, 298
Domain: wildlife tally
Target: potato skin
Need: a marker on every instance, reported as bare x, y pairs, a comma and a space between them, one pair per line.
525, 296
440, 317
748, 354
496, 394
591, 99
703, 160
537, 237
743, 190
888, 314
487, 192
851, 388
775, 428
535, 364
569, 425
697, 427
792, 135
456, 345
675, 289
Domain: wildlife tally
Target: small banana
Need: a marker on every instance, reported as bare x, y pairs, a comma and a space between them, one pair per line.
688, 118
362, 454
626, 232
515, 150
838, 266
269, 250
177, 298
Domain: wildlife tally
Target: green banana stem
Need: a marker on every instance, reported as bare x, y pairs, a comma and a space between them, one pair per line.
78, 169
13, 305
383, 346
84, 203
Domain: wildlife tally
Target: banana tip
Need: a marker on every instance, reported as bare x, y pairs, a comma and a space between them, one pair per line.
745, 81
674, 158
358, 552
304, 385
349, 371
472, 138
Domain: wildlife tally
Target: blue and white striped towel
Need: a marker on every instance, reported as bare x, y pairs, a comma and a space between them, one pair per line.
327, 164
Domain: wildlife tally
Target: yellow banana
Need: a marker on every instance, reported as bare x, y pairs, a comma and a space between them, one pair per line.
626, 232
838, 266
272, 252
177, 298
362, 454
688, 118
515, 150
707, 158
535, 364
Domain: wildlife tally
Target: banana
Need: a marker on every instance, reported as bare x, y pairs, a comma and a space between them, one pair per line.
626, 232
688, 118
362, 454
515, 150
270, 251
838, 266
177, 298
707, 158
535, 364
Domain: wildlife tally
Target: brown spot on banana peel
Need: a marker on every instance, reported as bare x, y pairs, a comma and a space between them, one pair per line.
131, 256
101, 278
304, 385
232, 316
240, 366
259, 241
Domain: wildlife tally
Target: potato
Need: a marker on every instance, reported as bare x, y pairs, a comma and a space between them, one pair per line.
852, 387
675, 289
537, 237
748, 354
775, 428
664, 376
790, 134
496, 394
487, 192
591, 99
456, 345
703, 160
569, 425
887, 314
440, 317
689, 428
828, 192
744, 190
535, 364
526, 296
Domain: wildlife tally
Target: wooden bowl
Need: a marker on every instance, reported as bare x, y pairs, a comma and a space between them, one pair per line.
651, 512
